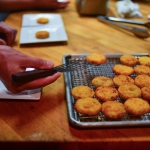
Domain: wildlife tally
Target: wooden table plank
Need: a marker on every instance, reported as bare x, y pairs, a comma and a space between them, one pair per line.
47, 119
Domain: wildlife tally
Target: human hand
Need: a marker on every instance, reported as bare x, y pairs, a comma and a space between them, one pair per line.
7, 34
54, 4
12, 61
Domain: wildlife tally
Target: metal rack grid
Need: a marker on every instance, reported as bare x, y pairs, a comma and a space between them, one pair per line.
84, 77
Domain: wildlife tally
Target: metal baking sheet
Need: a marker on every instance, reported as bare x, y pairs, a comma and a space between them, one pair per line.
84, 77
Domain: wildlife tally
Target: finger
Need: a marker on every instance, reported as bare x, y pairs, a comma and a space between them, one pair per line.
63, 1
63, 6
60, 3
38, 83
36, 63
2, 42
11, 35
9, 32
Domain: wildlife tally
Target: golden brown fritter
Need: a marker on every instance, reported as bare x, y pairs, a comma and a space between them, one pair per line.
82, 92
144, 60
88, 106
128, 60
102, 81
142, 80
122, 79
129, 90
42, 20
106, 93
113, 109
96, 58
142, 69
136, 106
120, 69
145, 91
42, 34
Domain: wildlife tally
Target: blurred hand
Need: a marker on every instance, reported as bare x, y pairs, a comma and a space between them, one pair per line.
7, 34
13, 61
54, 4
11, 5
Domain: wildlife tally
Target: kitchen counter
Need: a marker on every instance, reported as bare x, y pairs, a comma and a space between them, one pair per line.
44, 123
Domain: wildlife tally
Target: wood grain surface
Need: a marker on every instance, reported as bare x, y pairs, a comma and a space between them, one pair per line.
28, 124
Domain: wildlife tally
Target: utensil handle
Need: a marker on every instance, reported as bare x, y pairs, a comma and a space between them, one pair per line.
126, 21
27, 76
142, 33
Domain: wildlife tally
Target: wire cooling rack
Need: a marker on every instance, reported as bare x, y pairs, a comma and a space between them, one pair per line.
84, 76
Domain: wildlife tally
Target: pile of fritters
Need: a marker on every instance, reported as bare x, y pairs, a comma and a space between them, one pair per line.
133, 93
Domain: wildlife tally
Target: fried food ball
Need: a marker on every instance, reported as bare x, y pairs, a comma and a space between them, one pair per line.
145, 91
42, 20
88, 106
102, 81
122, 79
142, 69
113, 109
96, 58
82, 92
142, 80
136, 106
144, 60
42, 34
106, 93
129, 90
120, 69
128, 60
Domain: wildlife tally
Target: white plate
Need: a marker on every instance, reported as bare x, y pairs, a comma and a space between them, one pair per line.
31, 19
57, 33
25, 95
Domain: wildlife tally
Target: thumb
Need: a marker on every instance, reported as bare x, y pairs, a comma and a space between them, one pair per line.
2, 42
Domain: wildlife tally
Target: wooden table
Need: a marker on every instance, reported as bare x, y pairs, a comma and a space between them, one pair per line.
45, 123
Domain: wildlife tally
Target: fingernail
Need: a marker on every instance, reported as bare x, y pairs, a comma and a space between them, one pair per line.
49, 64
